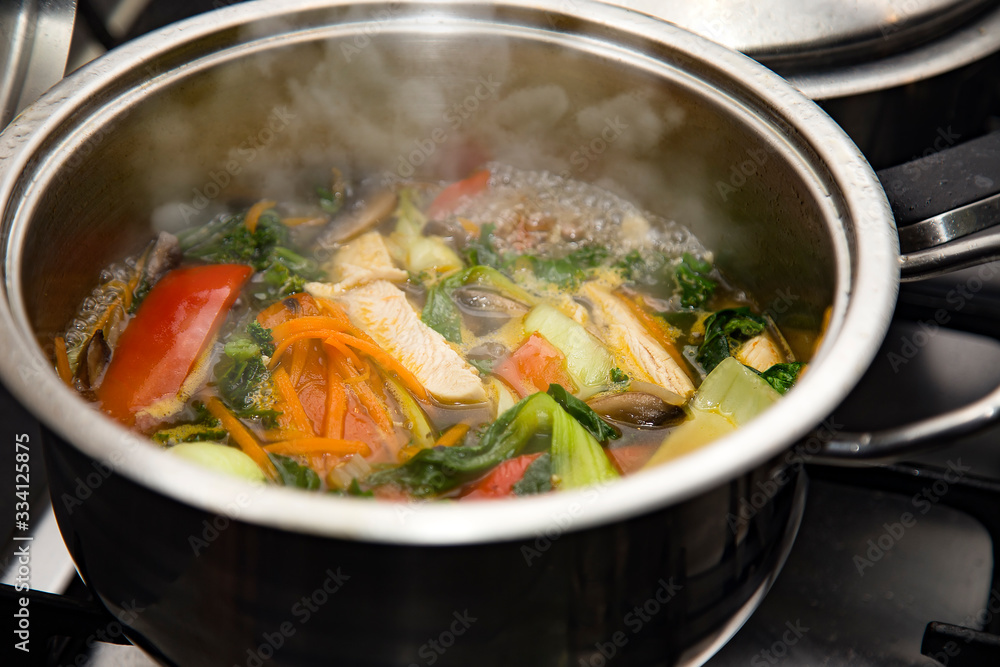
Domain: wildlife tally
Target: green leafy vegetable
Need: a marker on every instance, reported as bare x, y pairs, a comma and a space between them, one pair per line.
292, 473
243, 380
261, 335
441, 314
576, 454
354, 490
330, 201
580, 411
484, 366
783, 376
226, 240
537, 477
188, 433
645, 268
481, 251
725, 331
695, 286
589, 363
568, 271
620, 379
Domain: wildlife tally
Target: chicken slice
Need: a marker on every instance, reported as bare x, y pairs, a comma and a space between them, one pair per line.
363, 260
759, 353
382, 311
644, 357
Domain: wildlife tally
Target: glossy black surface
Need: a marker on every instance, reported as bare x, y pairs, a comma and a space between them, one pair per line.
652, 586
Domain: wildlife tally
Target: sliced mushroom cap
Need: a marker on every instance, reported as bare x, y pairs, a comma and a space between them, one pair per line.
637, 409
487, 303
343, 228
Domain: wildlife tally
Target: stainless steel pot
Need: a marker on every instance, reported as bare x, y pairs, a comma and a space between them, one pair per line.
659, 568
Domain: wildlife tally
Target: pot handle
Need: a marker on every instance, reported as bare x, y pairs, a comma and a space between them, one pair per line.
943, 198
938, 201
840, 448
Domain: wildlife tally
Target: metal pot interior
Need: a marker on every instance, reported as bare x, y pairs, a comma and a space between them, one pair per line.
261, 102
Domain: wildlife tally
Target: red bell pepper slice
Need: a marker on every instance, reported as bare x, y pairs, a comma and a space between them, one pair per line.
501, 480
170, 330
533, 366
630, 458
448, 199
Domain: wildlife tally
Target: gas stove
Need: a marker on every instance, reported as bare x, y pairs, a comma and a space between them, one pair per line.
892, 566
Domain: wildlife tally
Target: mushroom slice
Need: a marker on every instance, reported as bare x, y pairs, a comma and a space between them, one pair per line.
637, 409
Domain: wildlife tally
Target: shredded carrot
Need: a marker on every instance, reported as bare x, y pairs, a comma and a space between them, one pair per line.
253, 215
452, 436
384, 360
62, 361
295, 222
364, 377
311, 446
243, 437
293, 406
276, 434
336, 404
282, 347
300, 354
346, 352
308, 323
373, 404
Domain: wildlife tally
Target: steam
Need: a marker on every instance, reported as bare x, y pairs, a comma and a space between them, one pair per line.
380, 105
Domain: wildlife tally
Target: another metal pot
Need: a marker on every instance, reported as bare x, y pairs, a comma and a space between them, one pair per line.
659, 568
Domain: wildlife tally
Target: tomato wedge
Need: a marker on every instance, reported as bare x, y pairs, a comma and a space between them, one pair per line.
171, 329
501, 480
534, 366
453, 195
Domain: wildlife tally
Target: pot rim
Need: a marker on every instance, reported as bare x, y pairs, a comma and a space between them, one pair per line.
865, 254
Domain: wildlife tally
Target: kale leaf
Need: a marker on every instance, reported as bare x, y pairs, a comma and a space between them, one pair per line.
696, 288
293, 473
783, 376
725, 331
568, 271
537, 477
261, 335
226, 240
481, 251
243, 380
175, 435
441, 314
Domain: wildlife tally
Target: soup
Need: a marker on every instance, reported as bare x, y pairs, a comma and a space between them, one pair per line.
510, 334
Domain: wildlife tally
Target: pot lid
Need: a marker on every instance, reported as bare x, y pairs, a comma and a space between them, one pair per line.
790, 36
